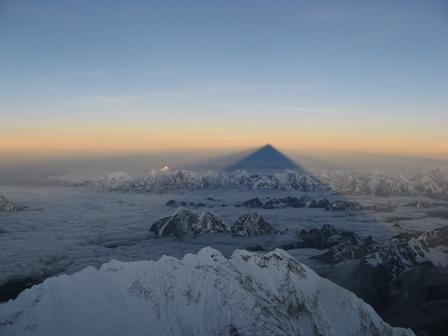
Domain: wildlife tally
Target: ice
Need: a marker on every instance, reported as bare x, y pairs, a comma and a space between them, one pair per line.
203, 294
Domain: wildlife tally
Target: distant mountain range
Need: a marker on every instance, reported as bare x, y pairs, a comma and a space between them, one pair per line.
430, 182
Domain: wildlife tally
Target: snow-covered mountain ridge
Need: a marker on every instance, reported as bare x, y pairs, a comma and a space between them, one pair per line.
396, 255
6, 205
184, 222
203, 294
403, 252
433, 181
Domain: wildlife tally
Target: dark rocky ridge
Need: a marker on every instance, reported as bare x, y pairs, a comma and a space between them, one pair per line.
301, 202
349, 250
184, 221
400, 253
176, 204
401, 278
325, 237
252, 224
8, 206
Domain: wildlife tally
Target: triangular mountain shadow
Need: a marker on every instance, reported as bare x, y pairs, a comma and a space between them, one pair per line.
265, 158
218, 162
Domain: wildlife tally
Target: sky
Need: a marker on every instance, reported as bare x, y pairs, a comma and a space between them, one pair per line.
94, 76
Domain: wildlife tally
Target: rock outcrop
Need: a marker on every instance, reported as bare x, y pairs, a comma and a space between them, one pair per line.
7, 206
325, 237
301, 202
184, 222
252, 224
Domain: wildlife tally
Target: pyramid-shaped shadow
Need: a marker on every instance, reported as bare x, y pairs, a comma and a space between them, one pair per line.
265, 158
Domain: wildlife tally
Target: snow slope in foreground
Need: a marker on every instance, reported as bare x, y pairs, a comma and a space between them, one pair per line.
203, 294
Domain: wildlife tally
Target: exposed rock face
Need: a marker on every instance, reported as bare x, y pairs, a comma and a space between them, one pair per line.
178, 225
253, 203
172, 203
302, 202
406, 251
405, 279
420, 204
176, 204
325, 237
322, 203
185, 221
343, 205
203, 294
348, 250
421, 300
402, 252
7, 206
252, 224
294, 202
210, 222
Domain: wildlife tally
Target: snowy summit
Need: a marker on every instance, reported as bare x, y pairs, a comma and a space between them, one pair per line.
204, 294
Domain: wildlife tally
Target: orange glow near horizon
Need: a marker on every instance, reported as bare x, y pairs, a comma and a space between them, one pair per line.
109, 140
306, 77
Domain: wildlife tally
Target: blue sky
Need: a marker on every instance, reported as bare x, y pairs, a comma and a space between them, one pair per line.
171, 65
